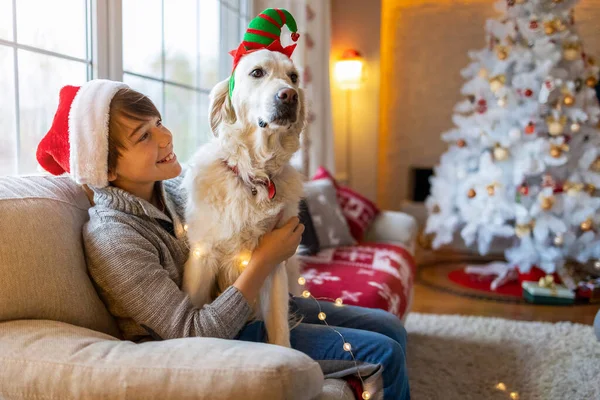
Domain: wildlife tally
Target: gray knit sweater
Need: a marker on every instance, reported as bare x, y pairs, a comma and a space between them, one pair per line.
135, 255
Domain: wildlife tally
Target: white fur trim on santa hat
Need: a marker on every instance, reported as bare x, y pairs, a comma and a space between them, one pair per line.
88, 131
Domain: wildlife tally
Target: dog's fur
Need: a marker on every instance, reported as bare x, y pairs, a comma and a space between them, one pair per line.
225, 220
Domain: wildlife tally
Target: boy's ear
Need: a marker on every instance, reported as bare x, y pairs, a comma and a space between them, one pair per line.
111, 176
220, 109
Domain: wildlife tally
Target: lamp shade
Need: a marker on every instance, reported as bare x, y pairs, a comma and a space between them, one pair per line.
348, 71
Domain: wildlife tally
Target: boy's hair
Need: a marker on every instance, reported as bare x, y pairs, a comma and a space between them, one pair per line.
130, 104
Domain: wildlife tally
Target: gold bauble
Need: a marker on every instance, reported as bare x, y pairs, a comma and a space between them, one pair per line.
590, 189
555, 151
596, 165
522, 230
591, 81
569, 100
491, 189
558, 240
461, 143
500, 153
471, 193
556, 127
497, 82
547, 203
571, 51
587, 225
502, 52
548, 28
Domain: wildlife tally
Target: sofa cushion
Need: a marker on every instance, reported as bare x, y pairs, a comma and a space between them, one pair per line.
359, 211
42, 263
327, 217
52, 360
370, 275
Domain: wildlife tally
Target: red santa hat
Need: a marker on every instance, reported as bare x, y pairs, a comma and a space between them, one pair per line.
77, 142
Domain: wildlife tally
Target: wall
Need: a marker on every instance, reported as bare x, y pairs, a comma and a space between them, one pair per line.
356, 24
424, 46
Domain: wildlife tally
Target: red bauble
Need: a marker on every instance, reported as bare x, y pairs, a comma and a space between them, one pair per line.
528, 92
533, 25
530, 128
524, 190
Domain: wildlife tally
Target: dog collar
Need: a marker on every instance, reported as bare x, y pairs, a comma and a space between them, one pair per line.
268, 182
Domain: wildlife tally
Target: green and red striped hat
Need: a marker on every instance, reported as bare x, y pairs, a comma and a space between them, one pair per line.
264, 32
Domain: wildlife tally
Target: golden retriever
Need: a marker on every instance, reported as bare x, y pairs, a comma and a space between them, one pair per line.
239, 183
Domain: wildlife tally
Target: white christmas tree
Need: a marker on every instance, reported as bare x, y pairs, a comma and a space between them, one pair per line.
524, 157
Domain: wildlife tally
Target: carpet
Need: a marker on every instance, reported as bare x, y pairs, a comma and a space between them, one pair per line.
455, 357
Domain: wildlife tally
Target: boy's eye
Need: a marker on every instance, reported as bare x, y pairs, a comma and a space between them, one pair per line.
144, 136
159, 122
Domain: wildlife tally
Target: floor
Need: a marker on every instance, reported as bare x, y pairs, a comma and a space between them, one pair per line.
432, 300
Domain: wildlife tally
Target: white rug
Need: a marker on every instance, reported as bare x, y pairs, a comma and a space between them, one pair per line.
454, 357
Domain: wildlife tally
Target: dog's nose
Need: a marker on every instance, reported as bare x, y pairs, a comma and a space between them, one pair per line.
288, 96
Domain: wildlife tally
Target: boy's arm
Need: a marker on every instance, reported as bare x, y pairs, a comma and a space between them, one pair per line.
127, 268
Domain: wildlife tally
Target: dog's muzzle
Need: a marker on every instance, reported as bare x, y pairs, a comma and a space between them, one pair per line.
285, 106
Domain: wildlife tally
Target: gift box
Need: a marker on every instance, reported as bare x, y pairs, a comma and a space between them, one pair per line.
589, 290
552, 294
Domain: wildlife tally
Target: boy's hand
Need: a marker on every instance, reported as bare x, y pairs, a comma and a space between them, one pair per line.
279, 244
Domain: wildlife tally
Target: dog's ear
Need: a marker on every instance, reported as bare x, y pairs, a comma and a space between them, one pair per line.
221, 109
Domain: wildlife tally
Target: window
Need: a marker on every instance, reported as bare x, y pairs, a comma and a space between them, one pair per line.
172, 51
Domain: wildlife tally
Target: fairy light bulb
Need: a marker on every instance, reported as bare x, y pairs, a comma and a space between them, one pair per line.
306, 294
245, 263
302, 281
185, 227
347, 346
197, 252
339, 302
501, 386
322, 316
366, 395
514, 395
575, 127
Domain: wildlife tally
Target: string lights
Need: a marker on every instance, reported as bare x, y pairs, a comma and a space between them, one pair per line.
338, 302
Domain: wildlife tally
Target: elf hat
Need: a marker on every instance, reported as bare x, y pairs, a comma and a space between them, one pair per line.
264, 32
77, 141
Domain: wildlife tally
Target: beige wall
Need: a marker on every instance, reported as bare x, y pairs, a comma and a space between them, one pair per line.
424, 46
356, 24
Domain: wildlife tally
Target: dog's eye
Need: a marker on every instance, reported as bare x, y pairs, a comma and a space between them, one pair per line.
294, 77
257, 73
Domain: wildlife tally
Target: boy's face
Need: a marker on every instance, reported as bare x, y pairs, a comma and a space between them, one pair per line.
148, 143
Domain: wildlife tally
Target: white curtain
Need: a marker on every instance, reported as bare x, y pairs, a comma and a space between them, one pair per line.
313, 18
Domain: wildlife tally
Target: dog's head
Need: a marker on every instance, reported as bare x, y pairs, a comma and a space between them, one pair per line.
266, 101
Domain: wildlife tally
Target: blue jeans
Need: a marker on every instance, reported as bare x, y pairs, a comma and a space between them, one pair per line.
377, 337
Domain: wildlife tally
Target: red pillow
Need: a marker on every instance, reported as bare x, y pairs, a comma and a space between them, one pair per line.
359, 211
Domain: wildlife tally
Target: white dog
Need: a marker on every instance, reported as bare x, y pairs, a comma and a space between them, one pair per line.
240, 182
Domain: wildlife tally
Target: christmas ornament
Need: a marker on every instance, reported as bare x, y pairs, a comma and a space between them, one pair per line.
572, 188
528, 92
522, 230
590, 189
481, 106
571, 51
591, 81
595, 166
587, 225
556, 150
491, 189
547, 202
471, 193
497, 82
530, 128
264, 32
524, 190
548, 181
556, 127
461, 143
502, 52
575, 127
558, 240
549, 28
483, 73
534, 23
500, 153
569, 100
502, 101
